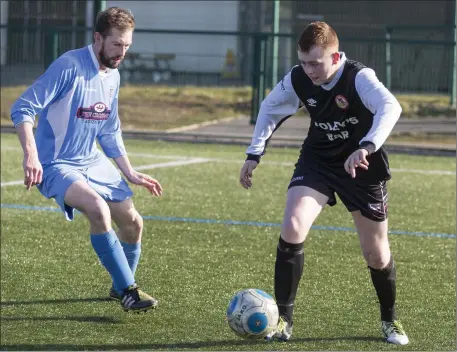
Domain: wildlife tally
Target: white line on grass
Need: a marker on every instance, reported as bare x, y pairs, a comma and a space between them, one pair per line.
7, 147
427, 172
156, 156
138, 168
282, 163
172, 163
12, 183
185, 160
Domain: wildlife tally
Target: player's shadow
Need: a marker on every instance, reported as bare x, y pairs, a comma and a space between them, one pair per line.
184, 345
82, 319
54, 301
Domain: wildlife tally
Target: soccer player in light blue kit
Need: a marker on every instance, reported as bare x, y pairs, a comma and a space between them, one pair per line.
76, 100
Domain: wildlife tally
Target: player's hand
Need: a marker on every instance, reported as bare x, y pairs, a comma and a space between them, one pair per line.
246, 173
356, 159
151, 184
33, 171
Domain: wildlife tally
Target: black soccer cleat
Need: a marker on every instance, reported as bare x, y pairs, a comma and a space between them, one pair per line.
135, 300
113, 295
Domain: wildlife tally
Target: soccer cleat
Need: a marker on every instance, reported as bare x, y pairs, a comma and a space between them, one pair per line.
283, 331
394, 332
136, 300
114, 295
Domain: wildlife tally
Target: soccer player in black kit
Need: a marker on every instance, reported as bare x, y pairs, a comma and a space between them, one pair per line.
352, 114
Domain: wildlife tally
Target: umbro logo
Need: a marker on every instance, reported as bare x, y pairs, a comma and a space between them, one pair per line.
312, 102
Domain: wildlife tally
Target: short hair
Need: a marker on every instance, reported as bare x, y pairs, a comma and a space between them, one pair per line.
114, 17
317, 34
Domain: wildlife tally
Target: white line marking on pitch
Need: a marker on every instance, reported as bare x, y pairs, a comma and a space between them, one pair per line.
185, 160
172, 163
282, 163
12, 183
427, 172
138, 168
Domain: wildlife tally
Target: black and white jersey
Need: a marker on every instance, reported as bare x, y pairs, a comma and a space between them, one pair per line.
353, 109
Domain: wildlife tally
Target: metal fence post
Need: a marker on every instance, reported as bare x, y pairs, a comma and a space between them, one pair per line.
388, 58
258, 77
274, 66
52, 47
454, 59
99, 5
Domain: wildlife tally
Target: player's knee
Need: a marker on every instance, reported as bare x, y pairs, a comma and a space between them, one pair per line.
137, 225
134, 227
98, 213
377, 259
294, 229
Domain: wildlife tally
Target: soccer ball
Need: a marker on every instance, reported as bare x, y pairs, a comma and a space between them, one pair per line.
252, 313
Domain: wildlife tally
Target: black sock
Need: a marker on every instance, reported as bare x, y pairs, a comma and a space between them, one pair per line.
385, 286
288, 271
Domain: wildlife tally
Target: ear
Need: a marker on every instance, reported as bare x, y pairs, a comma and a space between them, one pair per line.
335, 58
97, 36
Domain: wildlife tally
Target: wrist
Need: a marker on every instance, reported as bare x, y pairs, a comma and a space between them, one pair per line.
30, 153
129, 173
368, 146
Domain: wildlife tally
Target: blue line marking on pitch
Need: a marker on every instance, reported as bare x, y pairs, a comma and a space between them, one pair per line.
233, 222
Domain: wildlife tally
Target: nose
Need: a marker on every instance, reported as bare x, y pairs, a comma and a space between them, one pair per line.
121, 51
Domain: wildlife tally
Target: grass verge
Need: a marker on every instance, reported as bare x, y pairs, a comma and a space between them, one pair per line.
163, 107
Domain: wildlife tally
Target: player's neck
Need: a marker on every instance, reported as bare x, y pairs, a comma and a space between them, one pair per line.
338, 66
96, 49
101, 67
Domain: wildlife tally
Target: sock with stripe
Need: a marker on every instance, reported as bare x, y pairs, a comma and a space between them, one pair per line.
132, 252
111, 255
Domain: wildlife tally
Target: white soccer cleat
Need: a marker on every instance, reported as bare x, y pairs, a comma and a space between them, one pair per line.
394, 332
283, 331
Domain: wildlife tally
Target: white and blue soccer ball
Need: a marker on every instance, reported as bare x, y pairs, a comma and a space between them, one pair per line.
252, 313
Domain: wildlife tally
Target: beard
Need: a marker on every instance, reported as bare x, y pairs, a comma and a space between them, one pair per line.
109, 62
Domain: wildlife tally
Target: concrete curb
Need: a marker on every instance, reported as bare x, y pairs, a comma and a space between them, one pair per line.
399, 148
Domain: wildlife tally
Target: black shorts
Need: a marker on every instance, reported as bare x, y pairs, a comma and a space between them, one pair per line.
368, 197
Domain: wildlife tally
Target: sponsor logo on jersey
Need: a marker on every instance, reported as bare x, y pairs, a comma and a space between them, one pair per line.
98, 111
339, 126
341, 101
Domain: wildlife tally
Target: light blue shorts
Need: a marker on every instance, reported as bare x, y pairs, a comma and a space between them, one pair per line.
102, 176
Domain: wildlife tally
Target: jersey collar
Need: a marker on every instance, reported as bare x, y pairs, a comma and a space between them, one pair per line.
95, 61
335, 79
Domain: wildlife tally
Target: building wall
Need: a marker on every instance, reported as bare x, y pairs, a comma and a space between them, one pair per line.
3, 31
415, 67
196, 53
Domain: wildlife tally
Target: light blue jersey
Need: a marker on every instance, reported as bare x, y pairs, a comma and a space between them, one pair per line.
76, 105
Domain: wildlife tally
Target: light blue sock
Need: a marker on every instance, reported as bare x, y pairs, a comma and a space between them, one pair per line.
111, 254
132, 253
